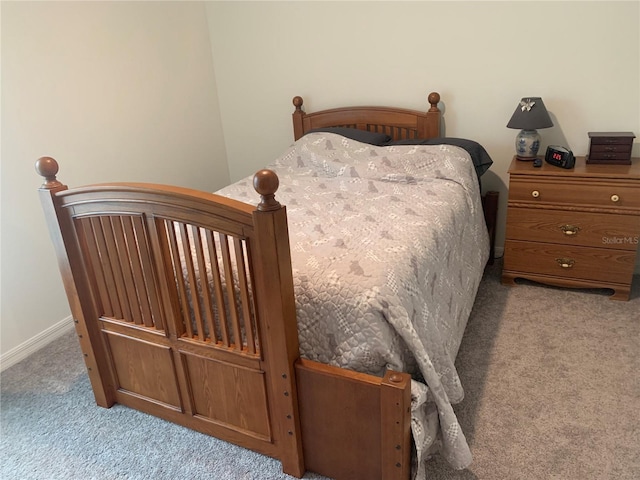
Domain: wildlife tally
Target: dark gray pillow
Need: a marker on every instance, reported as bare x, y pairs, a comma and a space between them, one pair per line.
372, 138
481, 159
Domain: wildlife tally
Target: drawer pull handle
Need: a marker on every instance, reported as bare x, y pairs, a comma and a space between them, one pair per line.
615, 198
565, 262
570, 229
535, 194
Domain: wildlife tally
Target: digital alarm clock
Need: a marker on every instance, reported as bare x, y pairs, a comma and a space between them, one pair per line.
559, 156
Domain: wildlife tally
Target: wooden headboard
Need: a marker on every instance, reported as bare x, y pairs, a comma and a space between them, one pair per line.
398, 123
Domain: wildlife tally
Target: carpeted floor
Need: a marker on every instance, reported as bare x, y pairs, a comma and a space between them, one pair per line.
550, 375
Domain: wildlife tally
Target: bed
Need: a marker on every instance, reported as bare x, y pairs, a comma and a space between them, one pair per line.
284, 330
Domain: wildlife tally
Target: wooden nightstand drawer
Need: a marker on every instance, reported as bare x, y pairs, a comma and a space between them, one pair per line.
573, 228
605, 195
597, 264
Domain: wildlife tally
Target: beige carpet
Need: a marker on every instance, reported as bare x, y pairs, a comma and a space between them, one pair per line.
552, 392
552, 384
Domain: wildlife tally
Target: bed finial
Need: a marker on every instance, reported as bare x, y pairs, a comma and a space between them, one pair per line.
47, 167
266, 183
297, 102
434, 98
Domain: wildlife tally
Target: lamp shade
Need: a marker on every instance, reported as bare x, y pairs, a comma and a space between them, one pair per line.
530, 114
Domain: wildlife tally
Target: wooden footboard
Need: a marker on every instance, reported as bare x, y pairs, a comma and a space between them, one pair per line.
184, 308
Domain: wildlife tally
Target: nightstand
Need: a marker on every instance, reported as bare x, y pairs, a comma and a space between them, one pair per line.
573, 228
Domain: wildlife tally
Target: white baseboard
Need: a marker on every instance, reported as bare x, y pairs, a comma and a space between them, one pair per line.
34, 344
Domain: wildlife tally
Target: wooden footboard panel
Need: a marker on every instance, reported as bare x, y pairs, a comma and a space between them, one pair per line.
192, 386
184, 306
354, 426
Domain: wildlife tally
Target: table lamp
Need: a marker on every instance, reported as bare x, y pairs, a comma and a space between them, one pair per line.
530, 115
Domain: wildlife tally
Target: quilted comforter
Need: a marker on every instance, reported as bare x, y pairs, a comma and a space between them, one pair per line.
388, 247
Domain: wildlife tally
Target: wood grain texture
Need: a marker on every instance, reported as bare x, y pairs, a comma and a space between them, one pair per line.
585, 263
569, 227
354, 426
573, 227
133, 253
398, 123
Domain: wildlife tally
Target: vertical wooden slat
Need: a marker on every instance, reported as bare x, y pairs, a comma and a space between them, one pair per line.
206, 291
96, 265
148, 273
244, 294
191, 284
112, 253
231, 297
204, 284
131, 295
255, 324
187, 283
217, 286
179, 279
160, 251
136, 267
97, 223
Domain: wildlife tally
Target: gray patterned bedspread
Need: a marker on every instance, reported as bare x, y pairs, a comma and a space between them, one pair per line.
388, 247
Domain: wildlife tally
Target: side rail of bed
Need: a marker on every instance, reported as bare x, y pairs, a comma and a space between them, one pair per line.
354, 426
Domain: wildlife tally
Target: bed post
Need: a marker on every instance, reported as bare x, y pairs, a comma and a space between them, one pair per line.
278, 328
434, 116
395, 423
78, 292
490, 207
298, 116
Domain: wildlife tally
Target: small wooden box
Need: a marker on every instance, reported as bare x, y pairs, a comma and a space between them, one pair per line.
613, 148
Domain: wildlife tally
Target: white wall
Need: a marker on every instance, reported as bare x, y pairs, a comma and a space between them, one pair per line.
113, 91
126, 91
582, 58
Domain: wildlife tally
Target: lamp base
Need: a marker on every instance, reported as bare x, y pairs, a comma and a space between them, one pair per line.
527, 145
